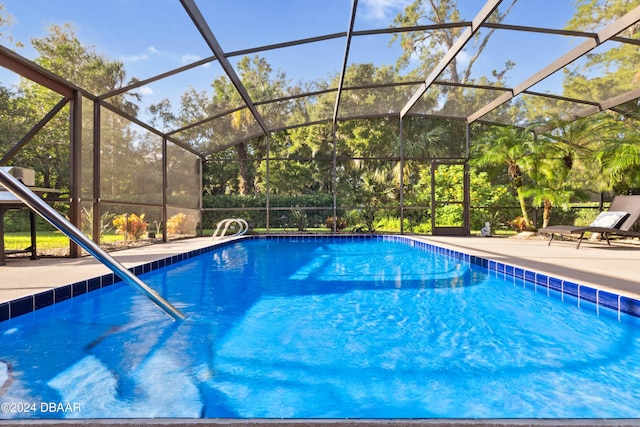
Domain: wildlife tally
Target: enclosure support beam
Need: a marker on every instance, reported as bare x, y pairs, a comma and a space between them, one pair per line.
200, 193
459, 44
34, 72
165, 165
33, 132
345, 59
334, 177
401, 176
466, 186
97, 171
605, 34
210, 39
267, 185
75, 175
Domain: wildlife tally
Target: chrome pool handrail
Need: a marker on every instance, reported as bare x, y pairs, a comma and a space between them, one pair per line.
242, 224
39, 206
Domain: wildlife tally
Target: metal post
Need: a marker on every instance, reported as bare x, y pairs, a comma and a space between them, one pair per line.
97, 170
466, 186
75, 180
401, 176
201, 191
54, 218
334, 174
165, 165
267, 186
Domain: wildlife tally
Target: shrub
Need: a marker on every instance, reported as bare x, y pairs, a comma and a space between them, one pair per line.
106, 219
341, 223
299, 218
181, 224
521, 224
132, 226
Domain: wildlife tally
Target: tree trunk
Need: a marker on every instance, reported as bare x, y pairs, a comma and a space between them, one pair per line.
546, 214
243, 170
523, 206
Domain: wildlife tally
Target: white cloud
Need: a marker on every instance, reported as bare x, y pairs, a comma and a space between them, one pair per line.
135, 58
463, 58
173, 56
154, 51
145, 90
190, 58
383, 10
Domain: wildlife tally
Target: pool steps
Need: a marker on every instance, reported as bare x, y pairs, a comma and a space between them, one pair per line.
36, 204
539, 281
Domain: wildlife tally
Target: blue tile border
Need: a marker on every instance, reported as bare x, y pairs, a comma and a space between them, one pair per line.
599, 297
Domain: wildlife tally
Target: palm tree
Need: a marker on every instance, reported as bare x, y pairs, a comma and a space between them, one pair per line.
550, 186
619, 156
510, 147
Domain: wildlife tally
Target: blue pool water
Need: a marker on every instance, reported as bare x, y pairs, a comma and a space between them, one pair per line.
322, 329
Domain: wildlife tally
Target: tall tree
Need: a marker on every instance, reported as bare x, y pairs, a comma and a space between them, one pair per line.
261, 83
62, 53
428, 47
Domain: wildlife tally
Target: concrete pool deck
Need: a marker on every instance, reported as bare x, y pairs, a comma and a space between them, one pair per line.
595, 264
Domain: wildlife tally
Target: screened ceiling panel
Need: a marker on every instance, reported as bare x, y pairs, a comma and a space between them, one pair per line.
300, 64
542, 109
453, 101
382, 14
533, 52
292, 112
220, 132
536, 110
274, 56
598, 80
247, 24
512, 112
376, 49
547, 14
173, 87
374, 101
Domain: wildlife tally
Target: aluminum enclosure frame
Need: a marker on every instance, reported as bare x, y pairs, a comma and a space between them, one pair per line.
72, 94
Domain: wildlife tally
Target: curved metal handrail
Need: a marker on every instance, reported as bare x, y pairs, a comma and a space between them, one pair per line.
223, 226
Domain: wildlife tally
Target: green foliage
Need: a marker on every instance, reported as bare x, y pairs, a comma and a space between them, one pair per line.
366, 220
582, 217
299, 218
247, 207
598, 153
19, 220
487, 198
106, 222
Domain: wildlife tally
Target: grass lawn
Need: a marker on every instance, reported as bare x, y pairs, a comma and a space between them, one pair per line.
45, 240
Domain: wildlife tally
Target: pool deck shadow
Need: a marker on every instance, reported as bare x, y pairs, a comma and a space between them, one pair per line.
594, 264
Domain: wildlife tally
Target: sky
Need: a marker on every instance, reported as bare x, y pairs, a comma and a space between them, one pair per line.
154, 36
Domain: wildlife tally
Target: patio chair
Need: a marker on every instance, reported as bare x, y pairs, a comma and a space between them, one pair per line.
617, 220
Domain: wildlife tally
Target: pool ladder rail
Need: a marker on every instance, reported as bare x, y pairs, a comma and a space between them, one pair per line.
39, 206
224, 225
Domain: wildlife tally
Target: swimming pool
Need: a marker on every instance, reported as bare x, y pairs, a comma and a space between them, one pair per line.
327, 328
